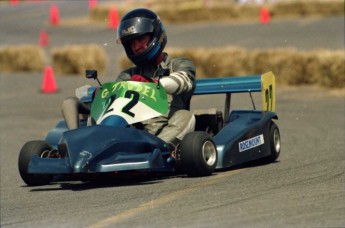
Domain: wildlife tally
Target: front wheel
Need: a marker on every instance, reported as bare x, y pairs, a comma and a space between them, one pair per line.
198, 154
29, 149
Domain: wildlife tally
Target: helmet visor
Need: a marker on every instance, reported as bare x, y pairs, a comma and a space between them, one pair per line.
134, 27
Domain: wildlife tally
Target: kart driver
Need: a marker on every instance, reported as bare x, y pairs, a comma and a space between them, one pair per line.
143, 37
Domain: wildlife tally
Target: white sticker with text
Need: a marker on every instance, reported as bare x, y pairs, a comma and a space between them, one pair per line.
251, 143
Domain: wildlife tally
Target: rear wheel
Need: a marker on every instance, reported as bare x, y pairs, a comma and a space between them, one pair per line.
198, 154
275, 143
29, 149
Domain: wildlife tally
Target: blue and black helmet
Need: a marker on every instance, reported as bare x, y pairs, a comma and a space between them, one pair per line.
137, 23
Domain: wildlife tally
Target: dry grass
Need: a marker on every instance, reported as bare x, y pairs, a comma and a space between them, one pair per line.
291, 67
75, 59
22, 58
184, 11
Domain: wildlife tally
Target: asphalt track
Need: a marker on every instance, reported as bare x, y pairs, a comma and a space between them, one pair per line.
305, 188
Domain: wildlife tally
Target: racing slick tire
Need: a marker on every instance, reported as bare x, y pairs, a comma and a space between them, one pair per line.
29, 149
198, 154
274, 143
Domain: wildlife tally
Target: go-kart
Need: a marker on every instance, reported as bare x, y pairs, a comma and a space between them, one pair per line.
113, 143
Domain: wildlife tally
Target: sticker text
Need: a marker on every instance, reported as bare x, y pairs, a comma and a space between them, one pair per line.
251, 143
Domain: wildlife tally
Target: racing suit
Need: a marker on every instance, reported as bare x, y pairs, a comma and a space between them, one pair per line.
179, 85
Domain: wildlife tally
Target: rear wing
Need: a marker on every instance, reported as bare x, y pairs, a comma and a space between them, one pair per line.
264, 83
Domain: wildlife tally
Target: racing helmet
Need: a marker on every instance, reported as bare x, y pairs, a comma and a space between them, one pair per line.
137, 23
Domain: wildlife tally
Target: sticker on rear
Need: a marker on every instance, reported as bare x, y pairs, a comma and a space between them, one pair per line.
251, 143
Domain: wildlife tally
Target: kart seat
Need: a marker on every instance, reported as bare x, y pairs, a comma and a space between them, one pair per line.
209, 120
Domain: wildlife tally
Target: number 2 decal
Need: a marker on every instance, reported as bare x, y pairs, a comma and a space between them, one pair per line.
108, 103
133, 95
135, 98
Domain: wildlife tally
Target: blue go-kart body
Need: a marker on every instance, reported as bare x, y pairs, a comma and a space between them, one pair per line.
239, 136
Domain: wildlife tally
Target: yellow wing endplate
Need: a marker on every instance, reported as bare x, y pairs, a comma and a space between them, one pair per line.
268, 92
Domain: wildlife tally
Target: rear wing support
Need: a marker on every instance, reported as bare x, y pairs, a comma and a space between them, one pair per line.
264, 83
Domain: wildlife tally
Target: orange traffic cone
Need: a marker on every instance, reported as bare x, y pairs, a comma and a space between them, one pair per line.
49, 83
43, 39
264, 16
14, 2
92, 4
54, 15
113, 18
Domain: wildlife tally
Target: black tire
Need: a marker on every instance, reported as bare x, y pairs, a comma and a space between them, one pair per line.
198, 154
28, 150
275, 143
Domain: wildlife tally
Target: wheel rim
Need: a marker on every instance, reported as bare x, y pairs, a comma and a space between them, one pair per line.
209, 153
276, 140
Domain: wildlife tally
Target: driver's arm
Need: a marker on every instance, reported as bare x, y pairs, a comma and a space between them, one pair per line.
181, 80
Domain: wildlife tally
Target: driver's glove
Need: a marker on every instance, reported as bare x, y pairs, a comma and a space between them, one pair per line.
140, 78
